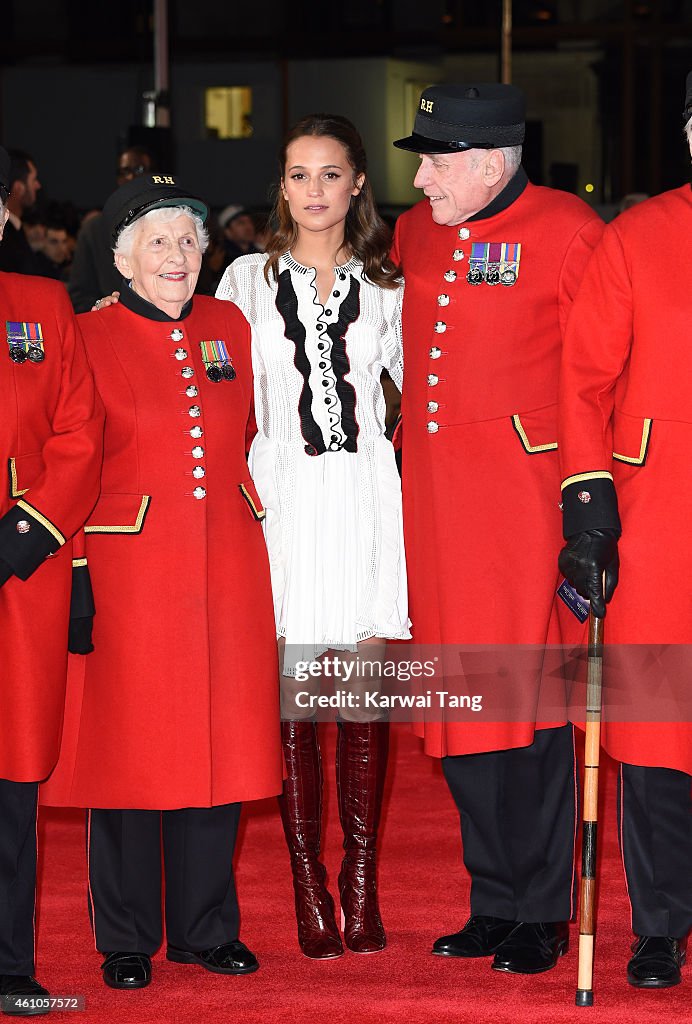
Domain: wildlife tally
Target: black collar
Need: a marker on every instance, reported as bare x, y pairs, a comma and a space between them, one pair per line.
511, 192
142, 307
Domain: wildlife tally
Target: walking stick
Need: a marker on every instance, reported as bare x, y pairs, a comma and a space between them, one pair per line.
587, 903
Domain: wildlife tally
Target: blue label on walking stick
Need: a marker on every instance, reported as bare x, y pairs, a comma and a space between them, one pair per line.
577, 604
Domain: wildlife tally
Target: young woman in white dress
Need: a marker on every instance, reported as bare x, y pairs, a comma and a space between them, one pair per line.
324, 303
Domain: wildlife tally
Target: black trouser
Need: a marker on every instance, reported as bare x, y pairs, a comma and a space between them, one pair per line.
17, 875
517, 810
124, 861
655, 833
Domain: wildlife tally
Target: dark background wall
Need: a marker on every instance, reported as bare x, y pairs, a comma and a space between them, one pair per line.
604, 80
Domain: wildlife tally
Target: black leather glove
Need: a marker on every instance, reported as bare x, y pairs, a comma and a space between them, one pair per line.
5, 572
584, 559
79, 635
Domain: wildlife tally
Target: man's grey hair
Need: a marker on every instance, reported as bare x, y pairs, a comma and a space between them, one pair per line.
688, 132
124, 241
512, 156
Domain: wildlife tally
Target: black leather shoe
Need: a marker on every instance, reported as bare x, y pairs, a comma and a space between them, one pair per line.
480, 936
532, 948
126, 970
22, 996
231, 958
656, 962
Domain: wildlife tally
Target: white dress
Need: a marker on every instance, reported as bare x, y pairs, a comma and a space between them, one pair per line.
323, 468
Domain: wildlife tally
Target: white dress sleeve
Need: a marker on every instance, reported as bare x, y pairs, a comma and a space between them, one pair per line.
229, 288
393, 360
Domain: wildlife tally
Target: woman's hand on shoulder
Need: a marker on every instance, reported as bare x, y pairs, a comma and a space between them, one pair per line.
107, 300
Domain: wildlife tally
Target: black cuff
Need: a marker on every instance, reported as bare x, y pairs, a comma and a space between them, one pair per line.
24, 542
5, 572
590, 505
82, 599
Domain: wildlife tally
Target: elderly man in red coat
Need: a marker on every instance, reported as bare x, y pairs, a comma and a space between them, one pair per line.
491, 265
51, 428
626, 429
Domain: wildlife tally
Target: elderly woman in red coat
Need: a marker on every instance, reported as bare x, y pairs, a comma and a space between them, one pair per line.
176, 710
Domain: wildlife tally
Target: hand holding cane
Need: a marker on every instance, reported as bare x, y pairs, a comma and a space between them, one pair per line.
584, 996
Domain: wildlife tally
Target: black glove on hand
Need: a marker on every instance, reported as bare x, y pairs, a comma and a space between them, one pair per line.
79, 635
584, 559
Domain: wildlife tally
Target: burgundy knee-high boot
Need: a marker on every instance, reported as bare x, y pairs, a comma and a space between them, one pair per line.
361, 766
301, 814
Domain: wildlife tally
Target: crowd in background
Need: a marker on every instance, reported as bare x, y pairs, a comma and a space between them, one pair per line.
54, 239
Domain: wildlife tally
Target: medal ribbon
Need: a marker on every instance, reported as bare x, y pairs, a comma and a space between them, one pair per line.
214, 353
22, 334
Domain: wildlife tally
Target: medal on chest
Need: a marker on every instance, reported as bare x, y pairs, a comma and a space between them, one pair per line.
25, 341
217, 361
494, 263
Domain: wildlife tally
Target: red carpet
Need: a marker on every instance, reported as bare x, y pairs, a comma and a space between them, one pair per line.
424, 893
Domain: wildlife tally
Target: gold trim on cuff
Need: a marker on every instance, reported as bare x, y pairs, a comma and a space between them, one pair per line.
35, 514
581, 478
77, 563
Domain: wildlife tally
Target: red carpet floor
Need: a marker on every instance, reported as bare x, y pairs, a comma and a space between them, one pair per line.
423, 893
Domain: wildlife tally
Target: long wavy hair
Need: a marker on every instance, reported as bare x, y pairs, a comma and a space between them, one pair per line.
366, 235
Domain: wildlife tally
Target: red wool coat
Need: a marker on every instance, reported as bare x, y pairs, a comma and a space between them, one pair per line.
178, 704
480, 473
626, 410
51, 427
